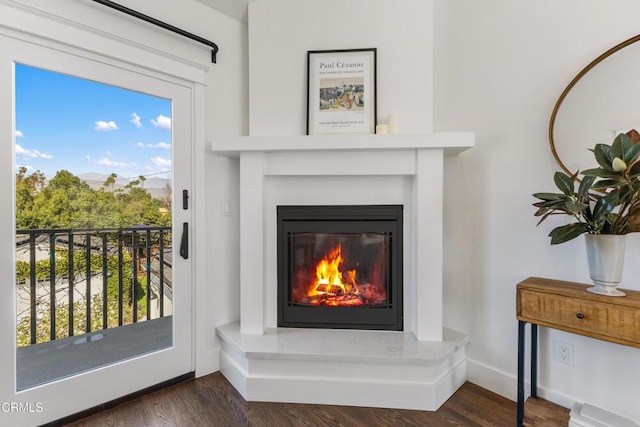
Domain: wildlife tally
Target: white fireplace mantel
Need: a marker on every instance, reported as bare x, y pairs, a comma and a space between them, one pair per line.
419, 156
416, 369
451, 142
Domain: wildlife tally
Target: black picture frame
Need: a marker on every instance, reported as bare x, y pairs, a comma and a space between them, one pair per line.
341, 91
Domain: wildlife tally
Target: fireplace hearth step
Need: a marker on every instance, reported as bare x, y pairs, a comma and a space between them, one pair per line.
343, 345
345, 367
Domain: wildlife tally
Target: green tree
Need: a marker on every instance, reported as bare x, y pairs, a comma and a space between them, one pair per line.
132, 184
68, 202
138, 207
110, 181
27, 188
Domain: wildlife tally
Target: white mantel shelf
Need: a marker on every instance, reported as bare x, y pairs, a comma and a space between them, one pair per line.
452, 143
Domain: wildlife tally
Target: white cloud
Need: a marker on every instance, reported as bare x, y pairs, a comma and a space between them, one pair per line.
19, 134
160, 162
160, 145
102, 126
162, 122
103, 161
35, 154
108, 153
27, 167
135, 119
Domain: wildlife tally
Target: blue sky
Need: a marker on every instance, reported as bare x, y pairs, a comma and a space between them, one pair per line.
65, 122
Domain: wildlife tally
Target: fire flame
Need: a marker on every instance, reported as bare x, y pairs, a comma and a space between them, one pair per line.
329, 276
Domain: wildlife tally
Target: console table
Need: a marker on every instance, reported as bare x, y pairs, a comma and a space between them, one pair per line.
569, 307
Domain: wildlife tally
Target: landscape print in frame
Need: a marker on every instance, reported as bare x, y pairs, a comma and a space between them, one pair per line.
341, 91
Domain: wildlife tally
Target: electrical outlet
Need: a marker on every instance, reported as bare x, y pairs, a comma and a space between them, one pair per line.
563, 352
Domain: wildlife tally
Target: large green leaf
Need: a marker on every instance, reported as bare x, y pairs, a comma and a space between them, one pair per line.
564, 183
576, 207
606, 183
551, 204
605, 205
549, 196
602, 173
543, 208
621, 144
559, 205
565, 233
585, 186
603, 155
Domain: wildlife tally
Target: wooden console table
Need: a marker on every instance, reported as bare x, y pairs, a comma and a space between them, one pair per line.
569, 307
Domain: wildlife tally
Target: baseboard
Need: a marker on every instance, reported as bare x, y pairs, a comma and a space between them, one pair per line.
208, 363
506, 384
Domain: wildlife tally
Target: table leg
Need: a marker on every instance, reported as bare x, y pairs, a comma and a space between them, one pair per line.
534, 360
520, 419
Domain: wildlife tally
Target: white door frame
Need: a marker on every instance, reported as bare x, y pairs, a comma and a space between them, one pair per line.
98, 386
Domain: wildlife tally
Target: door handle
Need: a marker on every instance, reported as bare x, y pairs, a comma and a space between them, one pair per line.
184, 243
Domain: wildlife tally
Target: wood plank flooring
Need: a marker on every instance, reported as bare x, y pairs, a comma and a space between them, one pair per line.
212, 401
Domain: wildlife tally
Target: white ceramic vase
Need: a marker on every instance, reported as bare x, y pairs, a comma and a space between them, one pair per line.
605, 254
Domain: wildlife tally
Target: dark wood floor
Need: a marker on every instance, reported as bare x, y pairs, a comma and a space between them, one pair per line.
212, 401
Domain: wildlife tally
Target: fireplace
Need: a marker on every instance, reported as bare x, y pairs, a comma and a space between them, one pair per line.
340, 266
418, 368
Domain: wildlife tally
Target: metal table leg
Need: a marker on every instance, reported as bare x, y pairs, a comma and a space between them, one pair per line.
520, 419
534, 360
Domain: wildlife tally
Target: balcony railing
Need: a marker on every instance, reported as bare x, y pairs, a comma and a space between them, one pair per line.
91, 279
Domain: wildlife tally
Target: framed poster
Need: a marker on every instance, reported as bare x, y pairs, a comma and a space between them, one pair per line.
341, 91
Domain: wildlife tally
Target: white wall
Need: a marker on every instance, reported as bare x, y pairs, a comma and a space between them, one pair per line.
282, 31
499, 67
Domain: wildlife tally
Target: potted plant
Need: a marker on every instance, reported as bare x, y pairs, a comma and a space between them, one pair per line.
605, 208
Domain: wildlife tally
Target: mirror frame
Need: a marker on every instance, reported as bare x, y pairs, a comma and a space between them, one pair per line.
575, 80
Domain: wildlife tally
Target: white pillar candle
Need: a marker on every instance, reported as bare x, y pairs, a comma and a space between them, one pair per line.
382, 129
393, 123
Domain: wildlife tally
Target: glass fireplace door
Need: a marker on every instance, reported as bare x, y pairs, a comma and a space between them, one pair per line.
340, 267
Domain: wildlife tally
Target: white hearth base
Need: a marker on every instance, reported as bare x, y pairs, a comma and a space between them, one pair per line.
343, 367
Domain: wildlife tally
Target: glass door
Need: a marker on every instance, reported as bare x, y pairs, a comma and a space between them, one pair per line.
101, 286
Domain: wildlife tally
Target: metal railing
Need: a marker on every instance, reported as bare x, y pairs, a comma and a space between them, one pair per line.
123, 257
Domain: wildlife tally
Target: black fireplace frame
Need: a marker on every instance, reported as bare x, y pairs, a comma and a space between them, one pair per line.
341, 219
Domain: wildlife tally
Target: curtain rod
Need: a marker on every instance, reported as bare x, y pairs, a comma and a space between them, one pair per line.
149, 19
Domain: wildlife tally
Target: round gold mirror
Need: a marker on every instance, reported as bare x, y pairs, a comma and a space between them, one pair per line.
602, 101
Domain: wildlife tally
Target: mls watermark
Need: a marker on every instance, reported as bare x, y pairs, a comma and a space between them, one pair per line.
21, 407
